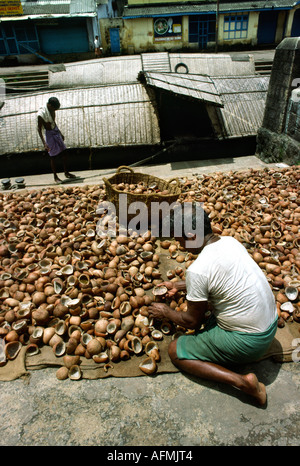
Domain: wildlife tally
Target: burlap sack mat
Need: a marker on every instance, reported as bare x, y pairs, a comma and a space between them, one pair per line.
285, 343
281, 350
23, 364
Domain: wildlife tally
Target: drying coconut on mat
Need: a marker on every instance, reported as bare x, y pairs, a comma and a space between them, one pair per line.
78, 302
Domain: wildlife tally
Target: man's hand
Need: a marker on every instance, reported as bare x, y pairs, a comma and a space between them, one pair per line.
171, 286
47, 148
158, 310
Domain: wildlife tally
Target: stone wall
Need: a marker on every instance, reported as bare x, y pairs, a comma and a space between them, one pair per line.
278, 140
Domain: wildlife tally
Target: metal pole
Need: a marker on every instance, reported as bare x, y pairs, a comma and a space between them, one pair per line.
217, 26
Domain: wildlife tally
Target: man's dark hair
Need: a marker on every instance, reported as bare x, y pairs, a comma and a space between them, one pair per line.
193, 217
54, 102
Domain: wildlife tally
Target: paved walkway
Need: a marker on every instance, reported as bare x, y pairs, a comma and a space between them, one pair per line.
165, 171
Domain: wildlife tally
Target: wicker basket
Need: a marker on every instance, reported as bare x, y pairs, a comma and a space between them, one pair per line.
129, 176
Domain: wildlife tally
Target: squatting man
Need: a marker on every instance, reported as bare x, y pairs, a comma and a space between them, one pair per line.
243, 320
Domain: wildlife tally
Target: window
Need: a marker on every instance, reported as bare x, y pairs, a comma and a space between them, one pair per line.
235, 27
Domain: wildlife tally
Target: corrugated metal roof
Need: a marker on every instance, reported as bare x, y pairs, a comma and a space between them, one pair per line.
205, 7
56, 7
120, 115
194, 86
242, 97
214, 65
47, 16
113, 70
82, 6
46, 7
244, 103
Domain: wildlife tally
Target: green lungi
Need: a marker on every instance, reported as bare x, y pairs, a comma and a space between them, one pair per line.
217, 345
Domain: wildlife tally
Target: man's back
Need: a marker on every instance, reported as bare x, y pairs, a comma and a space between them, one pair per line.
226, 275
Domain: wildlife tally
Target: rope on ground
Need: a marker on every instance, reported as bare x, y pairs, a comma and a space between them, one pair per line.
110, 172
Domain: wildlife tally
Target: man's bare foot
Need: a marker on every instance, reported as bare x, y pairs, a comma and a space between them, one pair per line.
255, 388
57, 180
70, 175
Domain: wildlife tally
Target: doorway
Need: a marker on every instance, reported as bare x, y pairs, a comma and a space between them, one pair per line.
296, 24
267, 26
202, 29
114, 34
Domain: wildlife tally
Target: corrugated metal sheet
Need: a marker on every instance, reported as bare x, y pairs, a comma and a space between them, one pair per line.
56, 7
104, 71
244, 103
214, 65
113, 70
242, 97
93, 117
46, 7
47, 16
194, 86
204, 7
82, 6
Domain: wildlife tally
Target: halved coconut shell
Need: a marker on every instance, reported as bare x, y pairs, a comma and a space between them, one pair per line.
148, 366
288, 307
151, 345
146, 255
75, 372
296, 314
67, 270
12, 349
60, 327
37, 335
20, 326
125, 308
101, 357
32, 349
59, 348
291, 293
160, 290
111, 328
166, 328
85, 338
156, 334
137, 345
58, 286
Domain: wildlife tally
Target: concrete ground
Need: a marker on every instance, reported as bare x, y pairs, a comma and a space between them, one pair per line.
166, 171
173, 410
